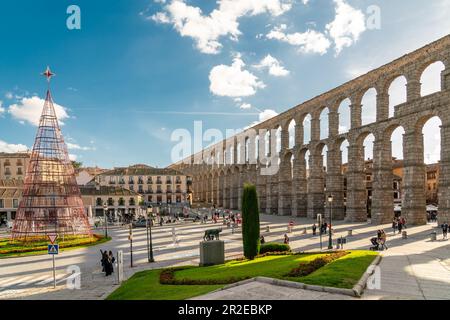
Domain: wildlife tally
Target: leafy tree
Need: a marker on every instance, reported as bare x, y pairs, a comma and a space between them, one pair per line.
77, 165
250, 222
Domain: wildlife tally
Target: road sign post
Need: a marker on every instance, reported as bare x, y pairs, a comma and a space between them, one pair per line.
53, 249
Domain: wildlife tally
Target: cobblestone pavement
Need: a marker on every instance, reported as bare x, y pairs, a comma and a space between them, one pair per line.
412, 268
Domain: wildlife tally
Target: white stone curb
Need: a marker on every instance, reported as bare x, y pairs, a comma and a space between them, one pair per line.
361, 285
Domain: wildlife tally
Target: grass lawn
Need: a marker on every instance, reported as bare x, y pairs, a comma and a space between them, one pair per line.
342, 273
10, 248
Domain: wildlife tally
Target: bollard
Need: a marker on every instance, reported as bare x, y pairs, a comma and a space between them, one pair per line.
404, 235
350, 232
268, 229
433, 236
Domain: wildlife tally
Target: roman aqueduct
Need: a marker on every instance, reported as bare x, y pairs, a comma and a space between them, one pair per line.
298, 191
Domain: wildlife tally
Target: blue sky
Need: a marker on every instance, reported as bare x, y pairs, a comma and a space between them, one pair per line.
137, 70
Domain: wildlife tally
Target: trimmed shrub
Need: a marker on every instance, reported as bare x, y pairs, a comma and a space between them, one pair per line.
305, 269
250, 222
274, 247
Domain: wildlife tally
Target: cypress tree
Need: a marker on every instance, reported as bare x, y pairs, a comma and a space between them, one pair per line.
250, 222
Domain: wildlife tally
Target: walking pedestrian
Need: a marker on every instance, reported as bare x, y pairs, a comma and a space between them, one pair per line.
314, 229
262, 240
103, 259
399, 226
286, 239
112, 259
394, 225
445, 228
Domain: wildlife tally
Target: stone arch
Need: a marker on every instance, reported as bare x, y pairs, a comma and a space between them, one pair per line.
306, 122
324, 123
397, 91
369, 106
431, 77
292, 133
344, 115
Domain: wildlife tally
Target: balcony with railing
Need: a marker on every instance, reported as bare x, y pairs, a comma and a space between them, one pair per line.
6, 163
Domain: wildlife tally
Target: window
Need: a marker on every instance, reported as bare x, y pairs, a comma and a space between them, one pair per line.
132, 188
158, 180
132, 202
110, 202
140, 189
140, 180
178, 179
149, 180
168, 179
121, 202
99, 202
130, 180
150, 198
15, 203
396, 195
2, 204
19, 171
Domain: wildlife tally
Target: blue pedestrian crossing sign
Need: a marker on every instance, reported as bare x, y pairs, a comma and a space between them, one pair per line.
53, 249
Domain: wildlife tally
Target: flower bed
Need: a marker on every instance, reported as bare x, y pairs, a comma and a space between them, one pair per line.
305, 269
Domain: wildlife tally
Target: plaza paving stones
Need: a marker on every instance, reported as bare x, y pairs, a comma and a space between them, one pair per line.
415, 268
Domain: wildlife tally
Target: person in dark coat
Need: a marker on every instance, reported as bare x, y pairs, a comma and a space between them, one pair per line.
394, 225
103, 260
314, 229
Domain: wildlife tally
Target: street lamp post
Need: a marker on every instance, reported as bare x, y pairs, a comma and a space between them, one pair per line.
130, 237
149, 236
105, 208
330, 239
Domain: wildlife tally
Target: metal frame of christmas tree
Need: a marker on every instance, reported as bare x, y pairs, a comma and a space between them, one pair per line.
51, 200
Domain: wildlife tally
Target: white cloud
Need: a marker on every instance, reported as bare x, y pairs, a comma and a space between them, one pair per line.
30, 109
307, 42
273, 65
73, 157
10, 148
347, 26
206, 30
263, 116
9, 95
245, 106
233, 81
267, 114
74, 146
2, 110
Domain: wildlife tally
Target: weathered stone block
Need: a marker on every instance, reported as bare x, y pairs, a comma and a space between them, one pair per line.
212, 252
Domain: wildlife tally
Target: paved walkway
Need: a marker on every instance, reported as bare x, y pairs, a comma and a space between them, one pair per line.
264, 291
414, 268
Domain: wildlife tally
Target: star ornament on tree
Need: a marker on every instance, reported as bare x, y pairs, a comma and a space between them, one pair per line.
48, 74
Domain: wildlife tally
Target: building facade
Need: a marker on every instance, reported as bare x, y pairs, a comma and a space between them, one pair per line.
117, 201
13, 165
156, 185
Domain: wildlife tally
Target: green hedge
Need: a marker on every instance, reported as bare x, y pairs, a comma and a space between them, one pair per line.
274, 247
250, 222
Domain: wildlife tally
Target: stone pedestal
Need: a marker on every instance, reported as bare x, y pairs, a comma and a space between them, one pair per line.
212, 253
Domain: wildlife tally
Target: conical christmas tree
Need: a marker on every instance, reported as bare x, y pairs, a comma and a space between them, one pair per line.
51, 201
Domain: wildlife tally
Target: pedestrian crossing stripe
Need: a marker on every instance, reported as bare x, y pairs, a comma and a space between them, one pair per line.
53, 249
